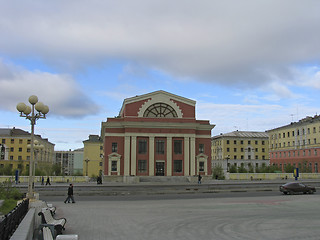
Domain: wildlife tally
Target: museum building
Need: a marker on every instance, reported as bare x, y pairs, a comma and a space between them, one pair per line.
157, 134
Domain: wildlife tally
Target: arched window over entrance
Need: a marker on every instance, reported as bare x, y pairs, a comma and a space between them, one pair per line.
160, 110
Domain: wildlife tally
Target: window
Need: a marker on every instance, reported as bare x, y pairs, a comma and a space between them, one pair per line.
20, 158
249, 142
20, 141
177, 166
114, 147
256, 142
241, 142
177, 145
20, 149
235, 142
283, 135
3, 141
114, 166
11, 149
228, 141
142, 166
159, 146
262, 142
228, 149
242, 157
12, 140
257, 157
201, 148
293, 133
241, 149
201, 166
160, 110
235, 150
142, 146
263, 150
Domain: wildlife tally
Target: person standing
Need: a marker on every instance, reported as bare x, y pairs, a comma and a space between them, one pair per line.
199, 179
42, 180
48, 181
70, 194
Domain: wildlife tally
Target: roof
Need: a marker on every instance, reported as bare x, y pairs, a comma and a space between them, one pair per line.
12, 132
302, 122
157, 93
243, 134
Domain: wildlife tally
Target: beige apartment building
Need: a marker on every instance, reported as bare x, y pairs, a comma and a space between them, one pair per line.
15, 150
296, 144
241, 149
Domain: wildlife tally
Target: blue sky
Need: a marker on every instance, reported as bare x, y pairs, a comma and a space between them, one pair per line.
250, 65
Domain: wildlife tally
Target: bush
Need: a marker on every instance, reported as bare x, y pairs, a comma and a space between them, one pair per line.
9, 192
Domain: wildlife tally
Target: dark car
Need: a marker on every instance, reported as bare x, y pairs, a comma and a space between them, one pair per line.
295, 187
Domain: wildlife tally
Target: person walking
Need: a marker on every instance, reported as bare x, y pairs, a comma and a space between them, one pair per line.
48, 181
199, 179
42, 180
70, 194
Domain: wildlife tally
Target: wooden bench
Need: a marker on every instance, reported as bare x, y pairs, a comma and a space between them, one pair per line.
46, 217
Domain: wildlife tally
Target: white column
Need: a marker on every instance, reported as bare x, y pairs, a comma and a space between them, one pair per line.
186, 156
133, 155
126, 171
192, 156
169, 156
151, 156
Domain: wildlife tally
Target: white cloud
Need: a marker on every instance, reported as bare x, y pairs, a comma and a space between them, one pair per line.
60, 92
230, 42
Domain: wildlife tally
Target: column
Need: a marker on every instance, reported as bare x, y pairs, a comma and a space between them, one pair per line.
169, 156
186, 156
126, 171
192, 156
133, 155
151, 156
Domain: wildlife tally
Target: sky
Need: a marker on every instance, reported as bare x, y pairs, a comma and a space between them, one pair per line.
250, 65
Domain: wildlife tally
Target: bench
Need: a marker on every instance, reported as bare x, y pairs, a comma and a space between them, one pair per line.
48, 234
46, 217
51, 208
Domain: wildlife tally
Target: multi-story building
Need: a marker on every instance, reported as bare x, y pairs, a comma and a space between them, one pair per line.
296, 144
78, 161
157, 134
93, 156
241, 149
16, 153
71, 162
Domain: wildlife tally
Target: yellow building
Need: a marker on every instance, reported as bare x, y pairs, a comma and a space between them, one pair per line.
240, 148
296, 144
93, 156
15, 151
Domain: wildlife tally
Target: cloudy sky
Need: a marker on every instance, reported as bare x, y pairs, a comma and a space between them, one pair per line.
250, 65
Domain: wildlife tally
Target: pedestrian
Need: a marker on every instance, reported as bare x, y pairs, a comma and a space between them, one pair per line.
48, 181
199, 179
70, 194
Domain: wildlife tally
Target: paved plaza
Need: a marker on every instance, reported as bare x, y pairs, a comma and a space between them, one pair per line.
271, 217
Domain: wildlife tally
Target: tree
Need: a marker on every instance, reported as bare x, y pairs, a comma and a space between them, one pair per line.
242, 169
289, 168
233, 169
217, 172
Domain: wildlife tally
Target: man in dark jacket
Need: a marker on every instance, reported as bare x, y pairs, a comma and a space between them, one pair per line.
70, 194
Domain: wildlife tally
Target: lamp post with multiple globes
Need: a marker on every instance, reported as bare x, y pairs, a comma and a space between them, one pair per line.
30, 114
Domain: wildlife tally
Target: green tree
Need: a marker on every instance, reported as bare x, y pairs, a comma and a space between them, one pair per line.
242, 169
289, 168
233, 169
217, 172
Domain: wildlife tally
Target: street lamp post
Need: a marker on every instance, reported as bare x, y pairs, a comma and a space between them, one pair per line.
227, 158
30, 114
87, 161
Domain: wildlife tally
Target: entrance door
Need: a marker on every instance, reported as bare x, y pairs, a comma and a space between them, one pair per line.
159, 168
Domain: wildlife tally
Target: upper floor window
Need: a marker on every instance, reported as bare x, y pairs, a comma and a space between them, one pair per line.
142, 146
114, 147
160, 146
177, 146
201, 148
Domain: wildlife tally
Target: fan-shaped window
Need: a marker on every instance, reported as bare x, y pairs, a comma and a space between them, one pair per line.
160, 110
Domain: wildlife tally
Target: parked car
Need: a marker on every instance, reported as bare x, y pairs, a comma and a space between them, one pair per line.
296, 187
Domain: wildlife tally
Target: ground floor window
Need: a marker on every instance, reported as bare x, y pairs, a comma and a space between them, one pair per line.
142, 166
114, 166
201, 166
177, 166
